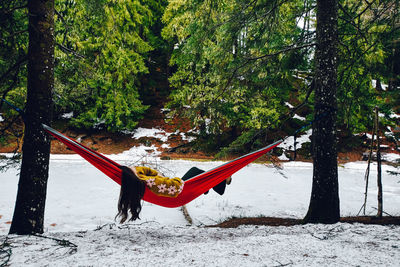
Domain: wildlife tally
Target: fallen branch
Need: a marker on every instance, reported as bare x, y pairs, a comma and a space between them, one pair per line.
173, 149
62, 242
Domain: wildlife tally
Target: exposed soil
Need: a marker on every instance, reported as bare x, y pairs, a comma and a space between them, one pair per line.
115, 143
272, 221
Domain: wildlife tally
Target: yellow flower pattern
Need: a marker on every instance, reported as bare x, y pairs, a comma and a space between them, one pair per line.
160, 185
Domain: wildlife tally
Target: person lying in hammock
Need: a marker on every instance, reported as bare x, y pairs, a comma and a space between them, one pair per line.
135, 179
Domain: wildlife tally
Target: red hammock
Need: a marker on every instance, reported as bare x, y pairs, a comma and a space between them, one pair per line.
193, 188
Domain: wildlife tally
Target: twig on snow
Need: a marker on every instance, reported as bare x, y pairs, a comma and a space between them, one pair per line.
5, 252
100, 227
283, 264
328, 235
384, 212
62, 242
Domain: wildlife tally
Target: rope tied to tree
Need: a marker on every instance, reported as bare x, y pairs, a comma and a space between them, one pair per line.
20, 111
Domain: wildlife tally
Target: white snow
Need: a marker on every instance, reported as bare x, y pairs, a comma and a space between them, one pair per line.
164, 110
67, 115
187, 138
165, 146
384, 86
157, 133
289, 105
153, 132
392, 157
394, 116
1, 118
288, 143
81, 205
299, 117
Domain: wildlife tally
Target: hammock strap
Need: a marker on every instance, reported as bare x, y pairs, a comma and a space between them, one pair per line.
104, 164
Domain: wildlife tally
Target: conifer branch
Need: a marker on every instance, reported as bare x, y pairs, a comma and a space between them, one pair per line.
249, 60
20, 62
13, 35
6, 12
287, 49
69, 51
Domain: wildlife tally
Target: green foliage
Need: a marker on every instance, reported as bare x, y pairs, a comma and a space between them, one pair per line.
365, 45
102, 56
235, 63
101, 79
13, 50
231, 69
239, 61
240, 145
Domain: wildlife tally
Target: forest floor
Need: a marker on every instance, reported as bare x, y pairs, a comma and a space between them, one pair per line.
115, 143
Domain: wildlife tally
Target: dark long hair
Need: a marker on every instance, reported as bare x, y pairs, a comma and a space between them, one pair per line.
131, 194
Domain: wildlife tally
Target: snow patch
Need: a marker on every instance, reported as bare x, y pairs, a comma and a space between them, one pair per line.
374, 84
394, 116
68, 115
165, 146
298, 117
391, 157
289, 105
283, 157
153, 132
163, 110
159, 134
288, 143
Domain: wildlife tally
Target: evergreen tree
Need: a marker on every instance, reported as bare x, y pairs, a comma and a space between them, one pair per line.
365, 48
30, 204
324, 204
237, 63
102, 62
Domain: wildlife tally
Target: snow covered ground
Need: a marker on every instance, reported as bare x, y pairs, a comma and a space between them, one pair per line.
81, 206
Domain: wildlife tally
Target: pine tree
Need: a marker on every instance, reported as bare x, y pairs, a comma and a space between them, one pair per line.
28, 215
324, 204
102, 62
237, 63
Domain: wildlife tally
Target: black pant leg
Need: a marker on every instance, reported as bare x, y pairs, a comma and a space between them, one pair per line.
191, 173
219, 188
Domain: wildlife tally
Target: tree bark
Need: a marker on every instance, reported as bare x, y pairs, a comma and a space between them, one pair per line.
324, 203
379, 163
29, 209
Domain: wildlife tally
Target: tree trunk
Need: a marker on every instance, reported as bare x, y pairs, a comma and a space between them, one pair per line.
324, 203
30, 204
366, 177
379, 163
